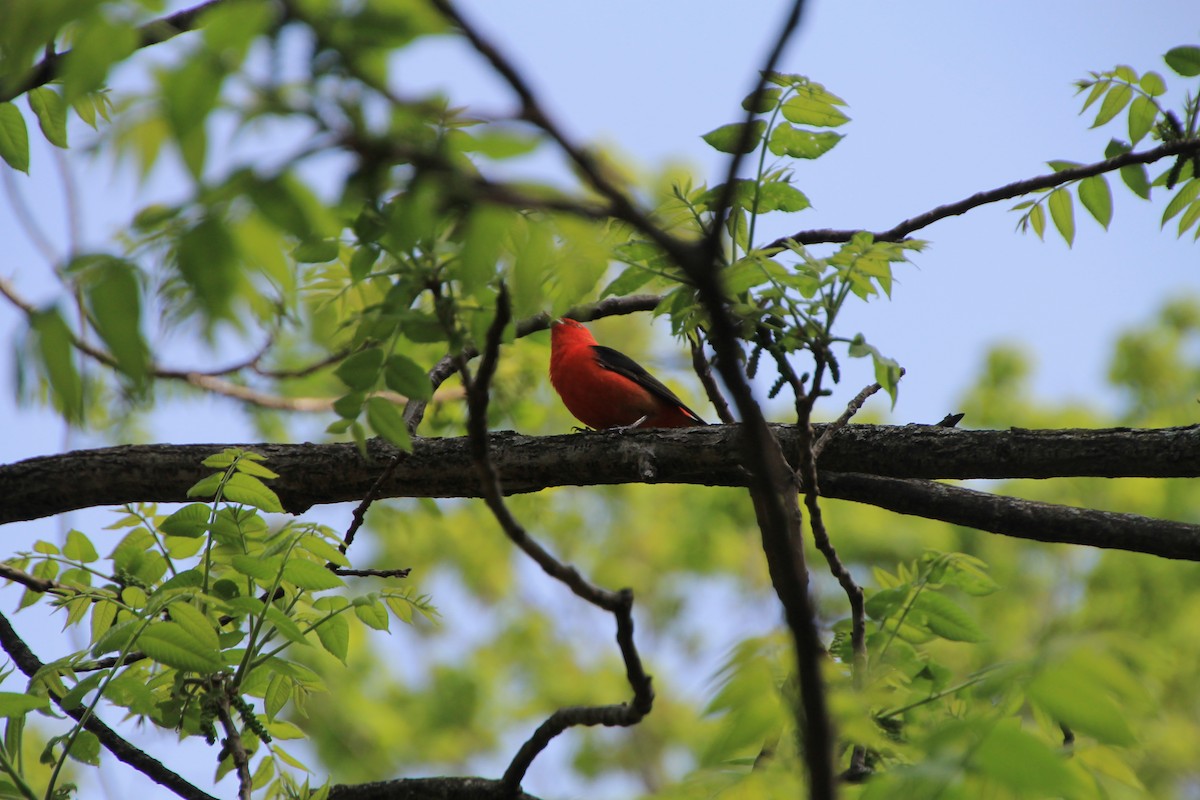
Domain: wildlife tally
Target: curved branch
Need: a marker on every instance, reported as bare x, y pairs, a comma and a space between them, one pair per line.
619, 604
1007, 192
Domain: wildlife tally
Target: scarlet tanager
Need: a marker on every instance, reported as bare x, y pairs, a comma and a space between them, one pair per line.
605, 388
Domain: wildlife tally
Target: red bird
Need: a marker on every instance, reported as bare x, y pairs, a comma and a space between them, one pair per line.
605, 388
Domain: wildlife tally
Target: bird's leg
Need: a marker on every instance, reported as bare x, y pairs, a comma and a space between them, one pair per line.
630, 426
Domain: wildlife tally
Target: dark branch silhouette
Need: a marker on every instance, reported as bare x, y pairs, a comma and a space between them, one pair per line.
1007, 192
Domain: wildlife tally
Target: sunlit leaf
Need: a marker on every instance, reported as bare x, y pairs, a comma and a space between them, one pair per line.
387, 421
1114, 102
728, 138
1184, 60
1062, 211
57, 353
14, 138
1096, 197
310, 575
171, 644
51, 112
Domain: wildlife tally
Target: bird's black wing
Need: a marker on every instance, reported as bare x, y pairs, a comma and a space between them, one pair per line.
618, 362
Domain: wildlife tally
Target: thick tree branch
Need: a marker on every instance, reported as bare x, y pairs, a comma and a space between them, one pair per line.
1007, 192
1023, 519
429, 789
316, 474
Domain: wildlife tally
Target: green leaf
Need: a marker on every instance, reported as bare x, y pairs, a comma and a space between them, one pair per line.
1114, 102
1189, 218
51, 112
1186, 194
1184, 60
813, 108
1153, 84
97, 46
115, 300
788, 140
79, 548
628, 282
361, 370
1096, 197
1025, 764
403, 375
1078, 700
85, 749
387, 421
310, 575
945, 618
1037, 220
1142, 114
261, 569
171, 644
780, 196
54, 347
728, 138
363, 260
195, 623
334, 634
1062, 211
207, 260
767, 101
324, 550
279, 691
248, 490
373, 614
14, 138
16, 704
1137, 179
316, 251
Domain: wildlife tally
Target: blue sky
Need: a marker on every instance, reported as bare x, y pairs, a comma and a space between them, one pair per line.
946, 99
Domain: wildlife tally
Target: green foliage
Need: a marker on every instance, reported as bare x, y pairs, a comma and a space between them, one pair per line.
1141, 99
197, 613
218, 620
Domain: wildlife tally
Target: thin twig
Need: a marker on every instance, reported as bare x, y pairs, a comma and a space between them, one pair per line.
9, 572
1006, 192
842, 421
235, 748
620, 604
621, 203
373, 573
360, 513
703, 371
771, 483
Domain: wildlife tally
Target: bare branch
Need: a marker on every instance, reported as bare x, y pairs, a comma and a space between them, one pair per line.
1007, 192
703, 371
235, 748
620, 604
852, 408
429, 789
315, 474
1023, 519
